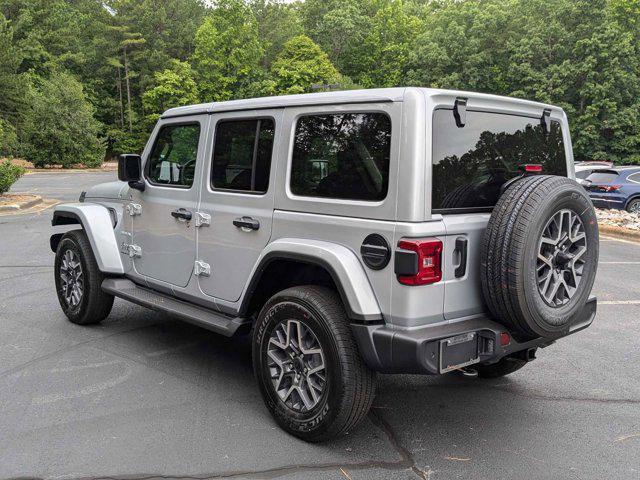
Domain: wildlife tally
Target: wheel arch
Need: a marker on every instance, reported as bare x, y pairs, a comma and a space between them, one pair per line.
97, 222
332, 264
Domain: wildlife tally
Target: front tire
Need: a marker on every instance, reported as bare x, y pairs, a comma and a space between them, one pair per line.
78, 281
307, 364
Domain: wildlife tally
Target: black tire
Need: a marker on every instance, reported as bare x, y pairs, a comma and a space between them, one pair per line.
509, 257
94, 305
460, 197
634, 206
349, 387
503, 367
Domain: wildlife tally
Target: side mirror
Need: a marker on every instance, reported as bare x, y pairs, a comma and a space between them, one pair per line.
130, 170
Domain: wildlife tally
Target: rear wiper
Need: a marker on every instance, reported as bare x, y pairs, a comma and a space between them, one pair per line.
545, 121
460, 112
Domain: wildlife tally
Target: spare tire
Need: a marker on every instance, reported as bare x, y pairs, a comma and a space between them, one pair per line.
539, 255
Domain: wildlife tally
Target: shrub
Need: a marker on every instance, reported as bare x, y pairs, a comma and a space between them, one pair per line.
60, 128
9, 174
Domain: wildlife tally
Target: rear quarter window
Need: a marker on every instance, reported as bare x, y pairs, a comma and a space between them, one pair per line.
342, 156
471, 164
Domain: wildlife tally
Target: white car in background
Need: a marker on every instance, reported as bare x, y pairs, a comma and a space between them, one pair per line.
584, 169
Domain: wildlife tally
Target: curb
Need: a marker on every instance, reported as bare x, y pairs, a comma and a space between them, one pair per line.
31, 171
14, 207
620, 232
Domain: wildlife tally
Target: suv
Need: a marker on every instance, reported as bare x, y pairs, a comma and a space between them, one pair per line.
401, 230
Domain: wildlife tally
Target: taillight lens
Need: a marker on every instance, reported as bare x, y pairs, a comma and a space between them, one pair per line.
429, 251
609, 188
533, 168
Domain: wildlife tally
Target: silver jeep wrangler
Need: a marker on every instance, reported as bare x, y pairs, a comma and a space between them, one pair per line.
401, 230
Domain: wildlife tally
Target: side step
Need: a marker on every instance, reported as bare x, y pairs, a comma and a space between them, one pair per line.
203, 317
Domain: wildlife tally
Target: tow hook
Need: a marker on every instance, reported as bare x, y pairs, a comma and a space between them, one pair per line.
528, 355
531, 354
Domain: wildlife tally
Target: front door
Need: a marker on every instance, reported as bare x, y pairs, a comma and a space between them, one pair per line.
164, 228
237, 192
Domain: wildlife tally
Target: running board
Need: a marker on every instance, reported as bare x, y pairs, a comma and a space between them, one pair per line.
203, 317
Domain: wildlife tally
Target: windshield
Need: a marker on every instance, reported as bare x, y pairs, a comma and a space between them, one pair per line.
471, 164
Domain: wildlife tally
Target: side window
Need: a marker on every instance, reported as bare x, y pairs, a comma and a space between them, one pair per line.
344, 156
242, 155
635, 178
173, 158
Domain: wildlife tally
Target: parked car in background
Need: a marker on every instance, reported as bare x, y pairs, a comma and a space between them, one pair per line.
617, 188
584, 169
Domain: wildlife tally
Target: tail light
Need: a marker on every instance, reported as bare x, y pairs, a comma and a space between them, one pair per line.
608, 188
533, 168
419, 261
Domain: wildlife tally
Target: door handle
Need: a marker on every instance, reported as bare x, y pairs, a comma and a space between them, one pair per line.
461, 249
247, 222
181, 214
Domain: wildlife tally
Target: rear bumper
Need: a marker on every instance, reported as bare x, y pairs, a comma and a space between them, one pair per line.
418, 351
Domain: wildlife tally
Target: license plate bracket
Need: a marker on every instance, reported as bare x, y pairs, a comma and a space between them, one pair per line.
458, 352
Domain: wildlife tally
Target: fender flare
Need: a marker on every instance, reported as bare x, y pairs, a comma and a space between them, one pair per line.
340, 262
97, 222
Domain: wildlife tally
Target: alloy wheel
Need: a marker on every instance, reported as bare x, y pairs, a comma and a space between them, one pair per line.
71, 279
296, 365
560, 263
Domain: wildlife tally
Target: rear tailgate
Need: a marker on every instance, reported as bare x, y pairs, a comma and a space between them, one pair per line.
471, 164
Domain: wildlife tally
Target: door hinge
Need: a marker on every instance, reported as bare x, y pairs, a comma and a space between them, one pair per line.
134, 251
134, 209
203, 219
202, 269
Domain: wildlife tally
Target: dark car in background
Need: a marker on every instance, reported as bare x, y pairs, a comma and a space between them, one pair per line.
617, 188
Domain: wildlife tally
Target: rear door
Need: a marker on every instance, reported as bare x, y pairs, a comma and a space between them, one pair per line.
238, 195
470, 166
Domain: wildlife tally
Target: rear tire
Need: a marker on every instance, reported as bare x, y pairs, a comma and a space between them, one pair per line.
78, 281
322, 390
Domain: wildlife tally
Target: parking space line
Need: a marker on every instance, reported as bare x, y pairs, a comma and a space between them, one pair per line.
618, 302
612, 239
618, 263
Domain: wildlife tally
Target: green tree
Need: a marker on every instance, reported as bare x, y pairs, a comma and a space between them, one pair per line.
277, 23
227, 51
174, 87
387, 46
301, 65
60, 128
11, 90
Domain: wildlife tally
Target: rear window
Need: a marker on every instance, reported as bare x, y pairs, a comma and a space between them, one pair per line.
603, 177
471, 164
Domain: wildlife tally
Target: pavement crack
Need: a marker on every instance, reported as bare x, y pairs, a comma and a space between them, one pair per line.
407, 459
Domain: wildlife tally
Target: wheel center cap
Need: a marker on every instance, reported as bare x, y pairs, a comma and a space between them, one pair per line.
562, 259
298, 364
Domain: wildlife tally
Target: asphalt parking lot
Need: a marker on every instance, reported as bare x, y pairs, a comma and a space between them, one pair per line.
145, 396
